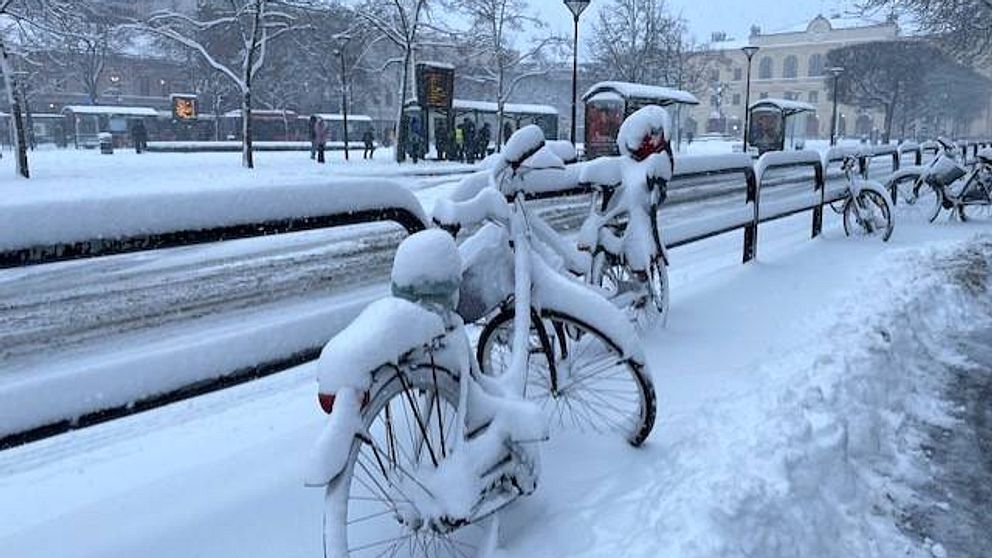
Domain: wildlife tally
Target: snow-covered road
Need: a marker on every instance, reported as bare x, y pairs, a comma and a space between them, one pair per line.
779, 431
48, 314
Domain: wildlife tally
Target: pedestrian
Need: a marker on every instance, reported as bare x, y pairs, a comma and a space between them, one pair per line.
140, 135
312, 135
507, 132
441, 139
369, 140
470, 141
414, 141
459, 154
320, 138
485, 134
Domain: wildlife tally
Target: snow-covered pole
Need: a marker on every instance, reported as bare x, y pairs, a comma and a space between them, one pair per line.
576, 7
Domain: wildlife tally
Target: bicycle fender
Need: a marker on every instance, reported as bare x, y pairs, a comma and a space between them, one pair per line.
329, 456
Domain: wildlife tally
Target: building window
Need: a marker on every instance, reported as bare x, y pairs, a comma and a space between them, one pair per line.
791, 67
715, 74
763, 96
714, 101
765, 68
737, 99
816, 65
814, 97
738, 74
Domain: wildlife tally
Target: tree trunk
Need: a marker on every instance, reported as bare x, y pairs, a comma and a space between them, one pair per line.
401, 138
889, 110
13, 93
247, 154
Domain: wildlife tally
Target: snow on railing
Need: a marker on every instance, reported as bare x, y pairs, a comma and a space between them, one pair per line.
50, 230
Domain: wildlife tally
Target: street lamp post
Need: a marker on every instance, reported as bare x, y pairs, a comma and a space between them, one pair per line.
835, 71
748, 51
576, 7
343, 42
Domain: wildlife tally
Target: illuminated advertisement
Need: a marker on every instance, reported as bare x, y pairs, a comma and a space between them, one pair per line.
184, 107
603, 119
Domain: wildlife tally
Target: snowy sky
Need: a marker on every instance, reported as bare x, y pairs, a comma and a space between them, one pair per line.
705, 16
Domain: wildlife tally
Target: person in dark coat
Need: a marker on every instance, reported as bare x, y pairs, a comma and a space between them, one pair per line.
320, 132
140, 135
485, 135
369, 140
470, 140
312, 136
507, 132
415, 139
441, 139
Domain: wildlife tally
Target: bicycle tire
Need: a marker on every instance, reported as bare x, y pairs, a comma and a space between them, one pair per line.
568, 403
646, 311
351, 516
881, 222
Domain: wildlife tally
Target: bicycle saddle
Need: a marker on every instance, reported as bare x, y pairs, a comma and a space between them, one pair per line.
522, 145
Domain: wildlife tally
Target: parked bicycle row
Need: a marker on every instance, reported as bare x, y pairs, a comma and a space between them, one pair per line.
433, 430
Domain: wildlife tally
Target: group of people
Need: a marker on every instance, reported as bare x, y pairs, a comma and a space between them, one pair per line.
319, 131
467, 144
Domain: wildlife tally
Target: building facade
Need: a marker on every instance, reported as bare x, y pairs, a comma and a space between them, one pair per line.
790, 64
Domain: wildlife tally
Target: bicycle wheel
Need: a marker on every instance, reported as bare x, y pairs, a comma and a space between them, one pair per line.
917, 199
869, 215
576, 374
644, 298
371, 508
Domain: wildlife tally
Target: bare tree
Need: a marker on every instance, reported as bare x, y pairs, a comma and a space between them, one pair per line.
15, 14
884, 74
962, 26
403, 24
254, 24
495, 26
639, 41
78, 38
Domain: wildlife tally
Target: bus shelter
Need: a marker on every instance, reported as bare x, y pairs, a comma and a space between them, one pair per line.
515, 116
86, 122
608, 103
778, 124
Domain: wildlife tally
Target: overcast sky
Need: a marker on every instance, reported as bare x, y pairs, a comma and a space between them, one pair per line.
706, 16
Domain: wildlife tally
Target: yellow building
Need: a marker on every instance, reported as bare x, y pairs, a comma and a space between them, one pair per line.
789, 64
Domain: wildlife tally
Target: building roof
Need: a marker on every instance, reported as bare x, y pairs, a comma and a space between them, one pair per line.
787, 106
663, 95
515, 108
109, 109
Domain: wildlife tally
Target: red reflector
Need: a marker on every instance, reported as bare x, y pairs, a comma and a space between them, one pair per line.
326, 401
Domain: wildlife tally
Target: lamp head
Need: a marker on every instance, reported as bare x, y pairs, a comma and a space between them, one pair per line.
577, 6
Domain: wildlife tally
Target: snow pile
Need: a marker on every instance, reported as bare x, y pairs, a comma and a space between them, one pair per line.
837, 459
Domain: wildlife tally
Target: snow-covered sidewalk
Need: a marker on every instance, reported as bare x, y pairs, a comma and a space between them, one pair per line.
789, 391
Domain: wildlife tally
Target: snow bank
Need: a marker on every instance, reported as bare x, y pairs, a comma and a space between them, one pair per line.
61, 220
834, 466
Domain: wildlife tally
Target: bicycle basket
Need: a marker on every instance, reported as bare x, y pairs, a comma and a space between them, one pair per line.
945, 171
487, 273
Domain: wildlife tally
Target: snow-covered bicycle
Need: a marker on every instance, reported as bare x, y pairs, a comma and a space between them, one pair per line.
921, 189
576, 365
421, 448
629, 260
865, 207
